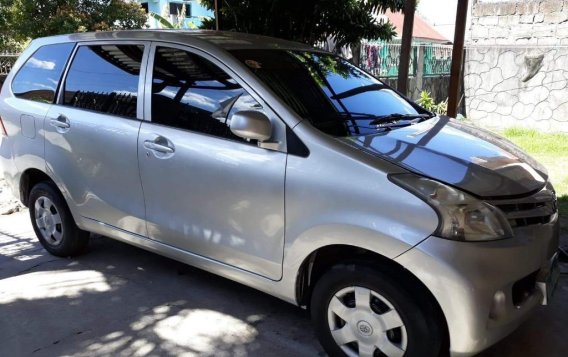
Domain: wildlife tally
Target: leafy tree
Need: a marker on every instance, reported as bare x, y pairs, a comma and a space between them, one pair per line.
308, 21
24, 19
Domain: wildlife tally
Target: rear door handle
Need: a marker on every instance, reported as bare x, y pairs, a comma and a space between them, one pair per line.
61, 122
163, 148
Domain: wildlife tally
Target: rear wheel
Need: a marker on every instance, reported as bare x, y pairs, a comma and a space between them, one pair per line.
362, 311
53, 223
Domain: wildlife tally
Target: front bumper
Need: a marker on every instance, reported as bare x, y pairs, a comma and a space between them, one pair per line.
485, 289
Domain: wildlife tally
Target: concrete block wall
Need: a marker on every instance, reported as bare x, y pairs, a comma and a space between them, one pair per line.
517, 87
516, 64
519, 22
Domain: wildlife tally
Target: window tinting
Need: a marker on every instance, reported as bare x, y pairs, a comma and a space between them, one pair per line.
105, 79
37, 80
191, 93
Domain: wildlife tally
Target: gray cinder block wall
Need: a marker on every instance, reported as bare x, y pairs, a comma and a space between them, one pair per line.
516, 64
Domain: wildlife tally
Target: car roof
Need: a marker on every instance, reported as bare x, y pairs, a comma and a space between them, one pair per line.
224, 39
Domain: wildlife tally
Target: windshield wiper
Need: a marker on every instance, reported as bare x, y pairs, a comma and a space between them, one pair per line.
380, 119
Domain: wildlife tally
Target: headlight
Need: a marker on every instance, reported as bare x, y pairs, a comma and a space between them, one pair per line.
462, 216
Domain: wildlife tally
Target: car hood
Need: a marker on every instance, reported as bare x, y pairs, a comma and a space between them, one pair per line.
469, 158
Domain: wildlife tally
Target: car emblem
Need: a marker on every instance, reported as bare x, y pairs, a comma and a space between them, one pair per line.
365, 328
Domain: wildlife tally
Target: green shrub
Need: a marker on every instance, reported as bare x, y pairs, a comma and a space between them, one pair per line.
428, 103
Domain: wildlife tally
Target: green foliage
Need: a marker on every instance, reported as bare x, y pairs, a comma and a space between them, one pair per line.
8, 45
427, 102
162, 22
308, 21
179, 22
21, 20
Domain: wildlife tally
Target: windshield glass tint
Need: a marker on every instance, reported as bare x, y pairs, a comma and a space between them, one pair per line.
335, 96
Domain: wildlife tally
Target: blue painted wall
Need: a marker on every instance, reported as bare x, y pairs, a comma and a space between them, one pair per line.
196, 11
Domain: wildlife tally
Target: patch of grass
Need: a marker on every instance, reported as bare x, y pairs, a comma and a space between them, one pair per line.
551, 150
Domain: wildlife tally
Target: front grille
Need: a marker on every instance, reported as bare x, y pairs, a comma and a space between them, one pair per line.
540, 208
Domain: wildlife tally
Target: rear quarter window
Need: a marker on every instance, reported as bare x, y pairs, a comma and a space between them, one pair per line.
39, 77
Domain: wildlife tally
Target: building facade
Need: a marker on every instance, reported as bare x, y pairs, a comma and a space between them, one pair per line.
516, 64
170, 9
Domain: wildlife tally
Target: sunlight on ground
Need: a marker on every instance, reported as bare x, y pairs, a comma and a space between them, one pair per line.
189, 332
118, 341
203, 331
51, 284
14, 246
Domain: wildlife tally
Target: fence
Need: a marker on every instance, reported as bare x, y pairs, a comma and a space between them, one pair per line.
381, 59
430, 66
7, 60
437, 59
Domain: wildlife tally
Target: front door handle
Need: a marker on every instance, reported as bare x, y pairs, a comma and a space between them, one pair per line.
61, 122
158, 146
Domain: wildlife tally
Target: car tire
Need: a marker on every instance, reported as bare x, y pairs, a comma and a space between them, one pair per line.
360, 310
53, 223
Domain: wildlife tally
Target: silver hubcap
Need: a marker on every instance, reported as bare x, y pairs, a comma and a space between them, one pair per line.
48, 220
363, 323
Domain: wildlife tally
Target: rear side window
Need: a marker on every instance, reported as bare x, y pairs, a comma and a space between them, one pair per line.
38, 79
104, 78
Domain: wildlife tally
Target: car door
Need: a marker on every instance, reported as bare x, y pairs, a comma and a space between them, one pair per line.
92, 133
206, 190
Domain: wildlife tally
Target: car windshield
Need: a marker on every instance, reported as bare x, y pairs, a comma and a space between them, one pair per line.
334, 95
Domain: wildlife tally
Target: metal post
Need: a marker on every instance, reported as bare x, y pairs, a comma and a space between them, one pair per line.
457, 58
216, 15
406, 45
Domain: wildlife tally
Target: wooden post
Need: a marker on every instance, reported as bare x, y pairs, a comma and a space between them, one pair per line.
457, 58
216, 15
406, 45
421, 53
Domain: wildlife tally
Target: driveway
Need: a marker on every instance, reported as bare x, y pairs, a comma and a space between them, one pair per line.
121, 300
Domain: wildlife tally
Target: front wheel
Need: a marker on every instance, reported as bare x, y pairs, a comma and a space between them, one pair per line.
362, 311
53, 223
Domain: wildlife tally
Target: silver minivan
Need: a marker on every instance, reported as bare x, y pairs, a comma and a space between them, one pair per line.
287, 169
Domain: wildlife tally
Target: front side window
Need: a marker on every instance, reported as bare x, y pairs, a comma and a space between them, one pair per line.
39, 77
331, 93
191, 93
104, 78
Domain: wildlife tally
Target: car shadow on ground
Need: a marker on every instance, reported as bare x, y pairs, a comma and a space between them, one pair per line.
121, 300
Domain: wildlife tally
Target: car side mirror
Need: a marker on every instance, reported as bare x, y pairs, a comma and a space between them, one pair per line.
251, 124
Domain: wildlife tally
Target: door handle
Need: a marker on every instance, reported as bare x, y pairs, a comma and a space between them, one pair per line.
163, 148
61, 122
